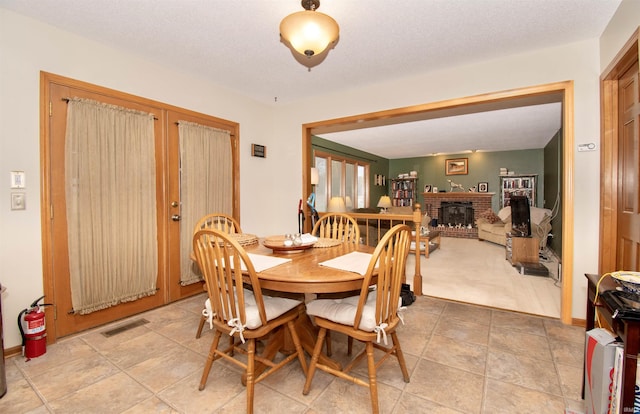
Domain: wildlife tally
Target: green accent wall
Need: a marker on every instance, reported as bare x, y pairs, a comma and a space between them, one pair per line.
482, 167
377, 165
553, 168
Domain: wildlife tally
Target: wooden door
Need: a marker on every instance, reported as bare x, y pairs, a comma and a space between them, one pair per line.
57, 280
175, 219
628, 220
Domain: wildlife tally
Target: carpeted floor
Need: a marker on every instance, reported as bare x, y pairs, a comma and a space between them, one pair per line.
472, 271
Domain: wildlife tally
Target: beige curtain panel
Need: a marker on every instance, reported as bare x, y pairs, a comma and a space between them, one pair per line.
206, 185
110, 176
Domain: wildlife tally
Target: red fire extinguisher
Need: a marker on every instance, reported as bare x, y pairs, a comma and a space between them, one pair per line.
33, 329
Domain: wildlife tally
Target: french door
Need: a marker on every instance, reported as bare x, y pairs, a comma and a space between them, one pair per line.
57, 285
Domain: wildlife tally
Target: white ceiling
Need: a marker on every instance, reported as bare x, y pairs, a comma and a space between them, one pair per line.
236, 44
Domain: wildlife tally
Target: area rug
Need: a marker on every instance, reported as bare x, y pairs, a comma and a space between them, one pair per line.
477, 272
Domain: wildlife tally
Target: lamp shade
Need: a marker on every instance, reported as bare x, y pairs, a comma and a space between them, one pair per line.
336, 205
384, 202
309, 32
314, 176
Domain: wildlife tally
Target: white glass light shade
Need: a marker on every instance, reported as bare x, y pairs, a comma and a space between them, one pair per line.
336, 205
348, 202
384, 202
314, 176
309, 32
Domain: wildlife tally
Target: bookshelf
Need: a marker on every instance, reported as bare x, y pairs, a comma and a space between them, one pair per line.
403, 191
517, 185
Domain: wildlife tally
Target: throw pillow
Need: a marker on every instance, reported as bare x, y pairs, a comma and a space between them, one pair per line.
490, 216
505, 214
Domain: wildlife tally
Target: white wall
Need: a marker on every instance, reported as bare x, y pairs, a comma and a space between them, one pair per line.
271, 187
28, 47
620, 28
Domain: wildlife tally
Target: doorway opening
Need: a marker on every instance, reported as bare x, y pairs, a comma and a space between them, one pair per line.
555, 92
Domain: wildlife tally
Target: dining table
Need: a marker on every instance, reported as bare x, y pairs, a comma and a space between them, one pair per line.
304, 273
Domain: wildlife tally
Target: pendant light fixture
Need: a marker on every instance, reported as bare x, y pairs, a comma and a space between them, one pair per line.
309, 32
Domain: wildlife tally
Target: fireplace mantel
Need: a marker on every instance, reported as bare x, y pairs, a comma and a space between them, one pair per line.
458, 195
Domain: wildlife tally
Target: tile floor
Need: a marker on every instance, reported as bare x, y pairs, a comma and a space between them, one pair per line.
462, 359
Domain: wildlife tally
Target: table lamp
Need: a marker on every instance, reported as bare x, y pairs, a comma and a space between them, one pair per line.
336, 205
384, 203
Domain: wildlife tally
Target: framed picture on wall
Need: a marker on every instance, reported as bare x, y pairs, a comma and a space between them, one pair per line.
456, 166
427, 188
483, 187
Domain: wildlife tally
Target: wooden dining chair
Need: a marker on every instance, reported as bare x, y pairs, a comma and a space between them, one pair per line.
368, 317
222, 222
246, 315
218, 221
337, 226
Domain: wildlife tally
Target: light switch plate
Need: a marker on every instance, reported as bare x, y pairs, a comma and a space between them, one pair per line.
18, 201
17, 179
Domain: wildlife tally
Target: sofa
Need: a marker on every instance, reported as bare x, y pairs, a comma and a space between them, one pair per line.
493, 227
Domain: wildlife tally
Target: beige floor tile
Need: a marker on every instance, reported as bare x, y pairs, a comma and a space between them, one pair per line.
503, 398
521, 370
72, 376
516, 342
447, 386
135, 350
161, 371
463, 355
116, 393
463, 331
413, 404
157, 367
152, 405
467, 313
222, 386
570, 378
56, 356
20, 397
557, 330
342, 396
567, 353
520, 322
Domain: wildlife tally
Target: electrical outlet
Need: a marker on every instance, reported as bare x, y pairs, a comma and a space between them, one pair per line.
18, 201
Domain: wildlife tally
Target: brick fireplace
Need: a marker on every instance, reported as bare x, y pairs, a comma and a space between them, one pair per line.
479, 202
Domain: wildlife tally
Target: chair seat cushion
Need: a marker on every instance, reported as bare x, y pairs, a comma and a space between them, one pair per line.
273, 307
343, 310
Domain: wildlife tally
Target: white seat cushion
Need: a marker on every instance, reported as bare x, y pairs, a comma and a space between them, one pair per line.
273, 307
343, 311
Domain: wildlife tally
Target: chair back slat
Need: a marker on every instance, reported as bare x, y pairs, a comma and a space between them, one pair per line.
337, 226
388, 263
220, 257
218, 221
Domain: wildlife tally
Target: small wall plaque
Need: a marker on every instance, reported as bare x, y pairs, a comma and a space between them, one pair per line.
258, 150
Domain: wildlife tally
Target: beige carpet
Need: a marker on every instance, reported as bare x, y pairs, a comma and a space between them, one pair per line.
472, 271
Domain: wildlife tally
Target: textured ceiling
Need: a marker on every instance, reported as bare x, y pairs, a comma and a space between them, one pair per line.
236, 43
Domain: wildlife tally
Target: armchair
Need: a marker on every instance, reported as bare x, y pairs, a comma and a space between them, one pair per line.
493, 228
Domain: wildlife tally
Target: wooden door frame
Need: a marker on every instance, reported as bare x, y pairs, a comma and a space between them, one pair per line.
609, 136
46, 208
553, 92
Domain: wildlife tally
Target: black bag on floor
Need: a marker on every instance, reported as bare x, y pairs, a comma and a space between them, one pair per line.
407, 295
